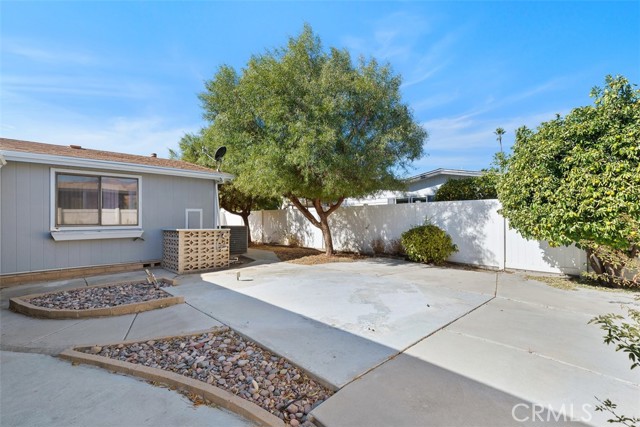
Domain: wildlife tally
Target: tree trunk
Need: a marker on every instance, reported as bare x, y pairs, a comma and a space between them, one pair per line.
245, 219
594, 261
326, 235
614, 268
323, 223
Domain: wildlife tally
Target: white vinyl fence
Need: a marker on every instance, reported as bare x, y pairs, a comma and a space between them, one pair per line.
482, 235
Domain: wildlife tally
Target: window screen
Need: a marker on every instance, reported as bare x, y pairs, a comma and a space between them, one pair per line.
96, 200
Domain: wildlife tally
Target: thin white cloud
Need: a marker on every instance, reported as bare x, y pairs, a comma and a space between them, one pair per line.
49, 123
77, 86
465, 133
47, 53
435, 100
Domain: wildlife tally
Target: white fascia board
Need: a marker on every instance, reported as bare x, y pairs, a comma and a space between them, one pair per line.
48, 159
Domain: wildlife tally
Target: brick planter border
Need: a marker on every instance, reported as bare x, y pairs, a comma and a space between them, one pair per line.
20, 305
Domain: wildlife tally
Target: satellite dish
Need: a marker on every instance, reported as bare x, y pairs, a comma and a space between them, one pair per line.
220, 152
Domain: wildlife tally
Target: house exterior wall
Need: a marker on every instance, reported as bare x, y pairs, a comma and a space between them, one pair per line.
422, 188
26, 244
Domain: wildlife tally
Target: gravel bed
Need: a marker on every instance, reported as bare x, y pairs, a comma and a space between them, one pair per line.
226, 360
101, 297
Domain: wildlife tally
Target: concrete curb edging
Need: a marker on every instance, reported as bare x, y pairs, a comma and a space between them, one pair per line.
20, 305
211, 393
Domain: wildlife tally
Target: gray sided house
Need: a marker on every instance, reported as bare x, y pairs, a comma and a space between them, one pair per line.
64, 207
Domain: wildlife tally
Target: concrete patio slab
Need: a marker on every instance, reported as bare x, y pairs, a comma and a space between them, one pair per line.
18, 330
129, 275
175, 320
479, 281
332, 355
546, 332
409, 344
39, 390
408, 392
529, 376
261, 255
388, 310
507, 352
336, 322
87, 332
595, 302
24, 333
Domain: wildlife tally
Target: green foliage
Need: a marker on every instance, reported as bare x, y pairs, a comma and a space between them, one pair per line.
576, 179
625, 336
304, 122
608, 406
471, 188
428, 244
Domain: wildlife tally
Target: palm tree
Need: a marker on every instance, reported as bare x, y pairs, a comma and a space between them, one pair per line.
499, 132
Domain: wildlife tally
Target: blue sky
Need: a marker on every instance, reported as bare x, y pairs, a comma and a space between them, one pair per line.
124, 76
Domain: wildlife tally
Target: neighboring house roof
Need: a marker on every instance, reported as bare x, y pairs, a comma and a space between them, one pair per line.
73, 155
441, 171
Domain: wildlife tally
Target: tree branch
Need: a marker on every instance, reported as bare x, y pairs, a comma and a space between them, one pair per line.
335, 206
296, 202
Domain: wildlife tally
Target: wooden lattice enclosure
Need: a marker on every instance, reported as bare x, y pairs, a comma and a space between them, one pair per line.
195, 250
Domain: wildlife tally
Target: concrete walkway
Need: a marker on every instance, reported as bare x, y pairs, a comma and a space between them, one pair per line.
50, 393
27, 334
405, 344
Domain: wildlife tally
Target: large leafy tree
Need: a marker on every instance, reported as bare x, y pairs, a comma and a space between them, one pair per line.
576, 179
310, 125
232, 199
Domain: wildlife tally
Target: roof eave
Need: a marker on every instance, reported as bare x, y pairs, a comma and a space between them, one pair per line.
48, 159
436, 172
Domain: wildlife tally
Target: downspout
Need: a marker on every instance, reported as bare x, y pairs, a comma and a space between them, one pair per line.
3, 162
216, 206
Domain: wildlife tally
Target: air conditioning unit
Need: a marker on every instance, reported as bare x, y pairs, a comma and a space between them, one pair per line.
238, 239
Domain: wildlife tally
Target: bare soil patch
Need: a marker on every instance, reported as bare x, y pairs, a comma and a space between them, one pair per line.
307, 256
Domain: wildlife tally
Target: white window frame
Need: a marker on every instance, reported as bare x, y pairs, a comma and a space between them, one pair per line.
186, 217
102, 228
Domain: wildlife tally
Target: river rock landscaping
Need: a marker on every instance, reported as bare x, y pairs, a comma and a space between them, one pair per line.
101, 297
228, 361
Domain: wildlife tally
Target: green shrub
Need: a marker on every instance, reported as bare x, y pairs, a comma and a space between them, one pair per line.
428, 244
471, 188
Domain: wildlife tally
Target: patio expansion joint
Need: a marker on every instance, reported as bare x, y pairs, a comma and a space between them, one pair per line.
206, 314
566, 310
56, 331
398, 353
130, 326
543, 356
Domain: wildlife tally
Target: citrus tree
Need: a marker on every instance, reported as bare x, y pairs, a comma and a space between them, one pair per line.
576, 179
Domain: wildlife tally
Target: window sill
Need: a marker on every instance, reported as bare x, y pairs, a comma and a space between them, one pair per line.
62, 236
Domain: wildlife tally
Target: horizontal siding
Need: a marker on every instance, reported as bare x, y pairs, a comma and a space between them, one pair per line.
25, 240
